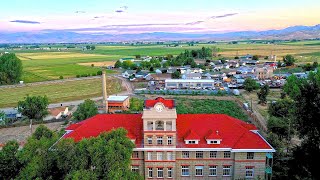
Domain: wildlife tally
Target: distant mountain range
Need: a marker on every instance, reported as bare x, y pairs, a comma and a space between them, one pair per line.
65, 36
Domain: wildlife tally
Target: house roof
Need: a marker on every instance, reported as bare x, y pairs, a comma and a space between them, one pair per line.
235, 134
56, 111
117, 98
169, 103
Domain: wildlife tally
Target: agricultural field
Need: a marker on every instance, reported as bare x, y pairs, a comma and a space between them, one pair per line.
59, 92
40, 65
44, 66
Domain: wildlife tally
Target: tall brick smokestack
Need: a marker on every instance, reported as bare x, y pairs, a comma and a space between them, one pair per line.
104, 91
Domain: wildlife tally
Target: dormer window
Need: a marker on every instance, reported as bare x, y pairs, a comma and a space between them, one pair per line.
191, 141
213, 141
213, 137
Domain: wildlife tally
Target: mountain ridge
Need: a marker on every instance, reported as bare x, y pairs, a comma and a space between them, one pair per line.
66, 36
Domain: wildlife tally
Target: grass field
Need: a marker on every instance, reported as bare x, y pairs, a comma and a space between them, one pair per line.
209, 106
43, 66
59, 92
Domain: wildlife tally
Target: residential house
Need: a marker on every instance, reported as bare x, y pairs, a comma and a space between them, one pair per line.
57, 113
191, 76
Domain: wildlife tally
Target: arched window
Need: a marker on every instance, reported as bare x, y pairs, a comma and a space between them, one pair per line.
169, 126
150, 125
159, 125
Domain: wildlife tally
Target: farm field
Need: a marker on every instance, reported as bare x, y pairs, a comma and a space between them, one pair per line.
59, 92
44, 66
40, 65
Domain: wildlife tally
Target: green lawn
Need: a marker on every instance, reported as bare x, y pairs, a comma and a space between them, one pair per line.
209, 106
59, 92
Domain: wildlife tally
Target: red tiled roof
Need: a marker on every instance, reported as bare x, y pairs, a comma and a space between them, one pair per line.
234, 133
169, 103
95, 125
213, 135
191, 135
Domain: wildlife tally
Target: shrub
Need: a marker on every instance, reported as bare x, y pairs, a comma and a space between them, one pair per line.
94, 74
61, 77
77, 76
99, 72
92, 65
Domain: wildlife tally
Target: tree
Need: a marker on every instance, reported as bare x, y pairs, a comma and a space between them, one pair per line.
250, 84
237, 57
9, 163
81, 175
34, 107
10, 69
138, 56
306, 113
127, 64
92, 47
85, 110
289, 60
255, 57
281, 108
176, 75
315, 65
88, 47
118, 64
263, 93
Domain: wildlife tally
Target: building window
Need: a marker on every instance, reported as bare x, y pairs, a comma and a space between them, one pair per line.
149, 139
169, 126
213, 154
135, 154
150, 172
135, 169
250, 155
170, 175
226, 170
212, 170
150, 125
191, 142
227, 154
159, 125
185, 171
159, 156
169, 156
249, 172
199, 170
169, 140
159, 140
149, 154
185, 154
160, 172
199, 154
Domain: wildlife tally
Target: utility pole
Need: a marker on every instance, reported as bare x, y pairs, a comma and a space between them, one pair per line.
31, 126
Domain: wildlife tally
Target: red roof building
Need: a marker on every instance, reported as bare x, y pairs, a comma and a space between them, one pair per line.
170, 145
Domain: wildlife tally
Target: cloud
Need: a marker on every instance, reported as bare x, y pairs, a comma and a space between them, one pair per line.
79, 12
194, 23
119, 11
97, 17
25, 22
223, 16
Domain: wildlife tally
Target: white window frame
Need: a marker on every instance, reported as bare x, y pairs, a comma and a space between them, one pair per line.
186, 170
149, 139
149, 156
198, 169
169, 140
135, 168
170, 172
213, 169
150, 172
159, 139
199, 154
169, 156
185, 154
215, 153
159, 156
226, 168
135, 154
160, 170
250, 170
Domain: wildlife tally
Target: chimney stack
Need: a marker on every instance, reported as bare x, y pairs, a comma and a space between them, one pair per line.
104, 91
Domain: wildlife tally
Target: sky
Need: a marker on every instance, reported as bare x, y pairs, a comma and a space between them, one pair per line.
143, 16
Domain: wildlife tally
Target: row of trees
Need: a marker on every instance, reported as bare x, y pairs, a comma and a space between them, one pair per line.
104, 157
296, 114
10, 69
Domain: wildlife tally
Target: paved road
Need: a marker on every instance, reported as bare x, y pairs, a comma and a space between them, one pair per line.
125, 83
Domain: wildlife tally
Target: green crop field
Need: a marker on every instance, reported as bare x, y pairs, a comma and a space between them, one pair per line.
41, 65
59, 92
